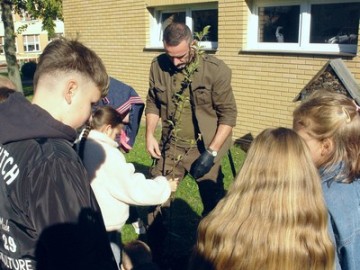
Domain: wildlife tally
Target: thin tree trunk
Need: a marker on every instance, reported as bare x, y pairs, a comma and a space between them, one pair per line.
9, 44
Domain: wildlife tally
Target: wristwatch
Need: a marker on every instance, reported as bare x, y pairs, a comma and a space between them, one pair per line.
212, 152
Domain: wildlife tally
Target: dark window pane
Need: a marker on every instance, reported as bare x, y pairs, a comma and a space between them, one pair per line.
279, 24
335, 23
167, 18
202, 18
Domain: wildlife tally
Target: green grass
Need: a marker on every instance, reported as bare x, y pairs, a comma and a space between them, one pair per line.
28, 92
186, 208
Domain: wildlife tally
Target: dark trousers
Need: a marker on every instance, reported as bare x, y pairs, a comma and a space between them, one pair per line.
176, 163
211, 190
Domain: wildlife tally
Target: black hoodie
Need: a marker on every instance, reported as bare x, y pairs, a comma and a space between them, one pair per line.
49, 218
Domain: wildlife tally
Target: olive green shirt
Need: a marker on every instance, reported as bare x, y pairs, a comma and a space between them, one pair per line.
211, 96
184, 133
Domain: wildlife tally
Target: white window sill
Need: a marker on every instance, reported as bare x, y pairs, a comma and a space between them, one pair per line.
161, 49
297, 52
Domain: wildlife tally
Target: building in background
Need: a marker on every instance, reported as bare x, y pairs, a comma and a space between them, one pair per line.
274, 47
30, 39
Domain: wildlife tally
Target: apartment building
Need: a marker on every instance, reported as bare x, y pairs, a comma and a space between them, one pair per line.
30, 40
274, 47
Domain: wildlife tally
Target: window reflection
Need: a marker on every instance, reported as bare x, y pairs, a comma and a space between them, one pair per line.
202, 18
335, 23
279, 24
172, 17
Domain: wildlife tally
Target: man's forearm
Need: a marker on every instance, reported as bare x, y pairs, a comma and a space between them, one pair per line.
222, 133
151, 123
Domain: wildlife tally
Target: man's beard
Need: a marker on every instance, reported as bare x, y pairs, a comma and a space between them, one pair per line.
181, 66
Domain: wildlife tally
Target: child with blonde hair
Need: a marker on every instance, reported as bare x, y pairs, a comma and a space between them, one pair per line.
273, 216
329, 122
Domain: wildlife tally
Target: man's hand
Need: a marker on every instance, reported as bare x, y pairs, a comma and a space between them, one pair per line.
152, 146
202, 165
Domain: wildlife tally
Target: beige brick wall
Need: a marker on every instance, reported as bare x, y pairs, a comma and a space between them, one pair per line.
264, 84
43, 41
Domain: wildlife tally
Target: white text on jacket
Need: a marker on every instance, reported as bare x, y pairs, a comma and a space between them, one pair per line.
8, 169
17, 264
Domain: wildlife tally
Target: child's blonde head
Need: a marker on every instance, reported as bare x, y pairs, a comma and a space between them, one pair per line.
273, 216
334, 116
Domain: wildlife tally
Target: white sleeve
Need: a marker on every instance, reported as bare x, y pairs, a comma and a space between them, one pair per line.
133, 188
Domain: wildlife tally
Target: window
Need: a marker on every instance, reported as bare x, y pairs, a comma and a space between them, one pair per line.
305, 26
195, 16
31, 43
25, 16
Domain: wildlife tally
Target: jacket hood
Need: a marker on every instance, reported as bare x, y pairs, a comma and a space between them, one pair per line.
21, 120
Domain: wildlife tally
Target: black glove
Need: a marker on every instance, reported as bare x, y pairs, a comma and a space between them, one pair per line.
202, 165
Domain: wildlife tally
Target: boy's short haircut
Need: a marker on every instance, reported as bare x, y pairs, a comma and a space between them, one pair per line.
138, 252
68, 56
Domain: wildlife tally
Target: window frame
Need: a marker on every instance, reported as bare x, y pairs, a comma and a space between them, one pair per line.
304, 45
156, 27
36, 43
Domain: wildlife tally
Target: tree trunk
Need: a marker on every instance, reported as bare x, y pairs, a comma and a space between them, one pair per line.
9, 44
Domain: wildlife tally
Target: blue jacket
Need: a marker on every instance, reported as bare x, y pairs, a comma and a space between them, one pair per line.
343, 202
124, 98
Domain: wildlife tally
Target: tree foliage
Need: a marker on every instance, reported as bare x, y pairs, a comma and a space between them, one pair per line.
46, 10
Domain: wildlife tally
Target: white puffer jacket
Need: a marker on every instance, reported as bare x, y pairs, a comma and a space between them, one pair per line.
116, 184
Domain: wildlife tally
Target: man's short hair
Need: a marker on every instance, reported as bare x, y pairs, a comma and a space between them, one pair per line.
175, 33
63, 55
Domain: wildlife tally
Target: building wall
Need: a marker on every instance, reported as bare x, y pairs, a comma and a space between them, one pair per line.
264, 84
34, 27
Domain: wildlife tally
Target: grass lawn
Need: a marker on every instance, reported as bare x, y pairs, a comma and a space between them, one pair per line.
28, 91
186, 208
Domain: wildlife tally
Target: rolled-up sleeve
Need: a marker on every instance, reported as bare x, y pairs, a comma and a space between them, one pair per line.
223, 96
151, 102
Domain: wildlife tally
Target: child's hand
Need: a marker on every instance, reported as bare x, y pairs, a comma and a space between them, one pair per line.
174, 184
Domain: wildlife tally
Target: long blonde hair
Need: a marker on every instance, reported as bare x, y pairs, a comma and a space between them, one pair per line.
333, 115
274, 214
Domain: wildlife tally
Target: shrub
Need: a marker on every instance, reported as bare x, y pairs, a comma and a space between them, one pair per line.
28, 70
